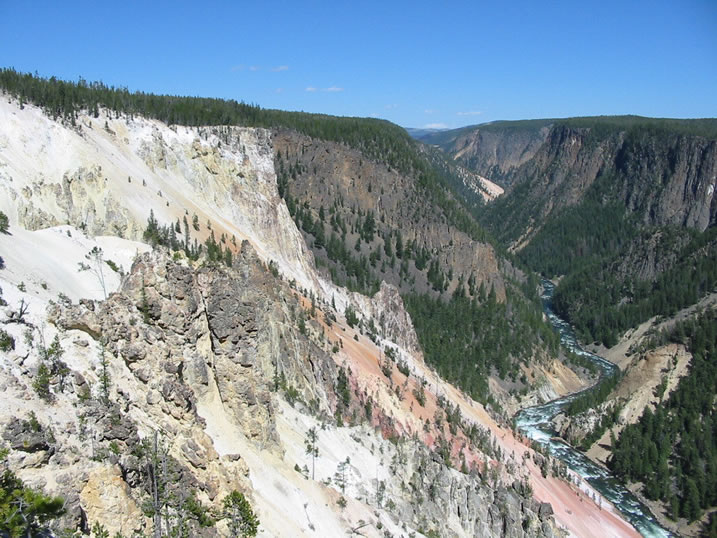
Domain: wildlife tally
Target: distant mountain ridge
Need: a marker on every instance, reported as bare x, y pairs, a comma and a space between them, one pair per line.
496, 149
420, 133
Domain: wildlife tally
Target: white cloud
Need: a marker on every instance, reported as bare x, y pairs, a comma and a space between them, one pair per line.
391, 106
279, 90
254, 68
329, 89
470, 113
429, 111
435, 126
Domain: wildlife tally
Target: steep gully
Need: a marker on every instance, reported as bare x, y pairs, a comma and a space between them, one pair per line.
534, 422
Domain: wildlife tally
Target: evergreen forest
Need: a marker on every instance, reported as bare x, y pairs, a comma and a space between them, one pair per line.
673, 449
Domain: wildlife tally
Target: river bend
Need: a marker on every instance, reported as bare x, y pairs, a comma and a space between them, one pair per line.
535, 423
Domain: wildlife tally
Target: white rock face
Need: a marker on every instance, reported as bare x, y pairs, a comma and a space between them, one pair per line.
106, 175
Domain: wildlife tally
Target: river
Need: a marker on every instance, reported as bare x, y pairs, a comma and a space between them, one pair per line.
534, 422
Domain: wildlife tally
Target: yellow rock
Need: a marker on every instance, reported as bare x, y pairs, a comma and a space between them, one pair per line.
105, 498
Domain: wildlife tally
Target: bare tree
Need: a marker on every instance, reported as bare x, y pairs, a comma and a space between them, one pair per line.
96, 259
312, 448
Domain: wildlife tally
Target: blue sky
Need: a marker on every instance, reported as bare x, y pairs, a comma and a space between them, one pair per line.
414, 63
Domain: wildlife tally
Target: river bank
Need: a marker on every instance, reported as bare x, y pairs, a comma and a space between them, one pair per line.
535, 423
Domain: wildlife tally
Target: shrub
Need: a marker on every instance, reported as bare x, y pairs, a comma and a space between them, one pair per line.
116, 268
24, 511
42, 383
7, 342
351, 317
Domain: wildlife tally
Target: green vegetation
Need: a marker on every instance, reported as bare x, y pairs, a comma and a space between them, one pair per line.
359, 253
358, 248
343, 390
351, 317
378, 139
592, 399
705, 127
166, 236
174, 509
41, 383
587, 243
23, 510
594, 396
467, 339
4, 223
311, 443
7, 342
602, 305
673, 450
242, 520
608, 420
579, 237
51, 366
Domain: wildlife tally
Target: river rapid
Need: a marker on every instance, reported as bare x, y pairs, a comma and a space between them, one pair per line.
535, 423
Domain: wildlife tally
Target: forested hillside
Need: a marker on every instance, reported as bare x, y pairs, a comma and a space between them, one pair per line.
673, 450
623, 208
476, 314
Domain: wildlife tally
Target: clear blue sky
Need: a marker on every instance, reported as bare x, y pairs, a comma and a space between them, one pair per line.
414, 63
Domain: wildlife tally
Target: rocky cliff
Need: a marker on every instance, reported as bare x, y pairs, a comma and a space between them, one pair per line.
345, 187
663, 173
366, 222
494, 150
185, 368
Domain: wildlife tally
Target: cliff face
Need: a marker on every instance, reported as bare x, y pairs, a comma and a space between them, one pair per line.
106, 174
186, 371
333, 191
495, 154
341, 183
664, 177
669, 179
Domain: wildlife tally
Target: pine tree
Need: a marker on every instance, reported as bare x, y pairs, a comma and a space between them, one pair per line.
312, 448
242, 520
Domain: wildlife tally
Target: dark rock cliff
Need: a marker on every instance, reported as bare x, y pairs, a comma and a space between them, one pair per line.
665, 177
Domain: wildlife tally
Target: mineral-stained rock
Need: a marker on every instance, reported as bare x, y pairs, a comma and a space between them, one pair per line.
106, 497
